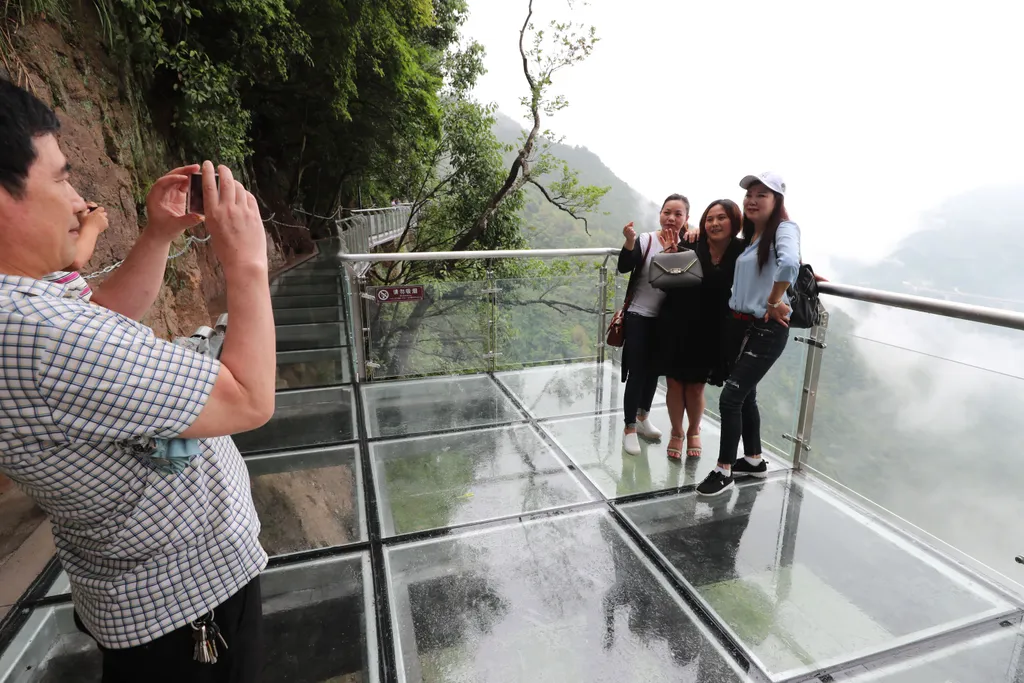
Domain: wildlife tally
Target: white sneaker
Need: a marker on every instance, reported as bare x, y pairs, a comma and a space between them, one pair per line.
647, 430
631, 444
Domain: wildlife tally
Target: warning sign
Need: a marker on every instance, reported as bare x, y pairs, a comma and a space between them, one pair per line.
394, 295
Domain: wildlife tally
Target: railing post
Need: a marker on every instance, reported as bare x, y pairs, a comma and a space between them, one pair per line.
809, 393
367, 364
492, 323
602, 296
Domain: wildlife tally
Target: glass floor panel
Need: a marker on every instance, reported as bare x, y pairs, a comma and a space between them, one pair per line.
315, 628
440, 481
594, 444
313, 368
308, 499
318, 301
994, 657
803, 581
561, 599
431, 405
560, 390
304, 418
302, 337
307, 276
306, 316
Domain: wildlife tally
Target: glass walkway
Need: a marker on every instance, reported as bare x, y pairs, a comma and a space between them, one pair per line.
487, 527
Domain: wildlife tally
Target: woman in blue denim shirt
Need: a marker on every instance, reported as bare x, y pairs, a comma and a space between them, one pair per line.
757, 327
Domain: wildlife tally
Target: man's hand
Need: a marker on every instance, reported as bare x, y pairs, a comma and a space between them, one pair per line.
233, 218
166, 206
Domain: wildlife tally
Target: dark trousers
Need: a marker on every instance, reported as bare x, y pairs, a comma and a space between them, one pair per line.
638, 354
168, 659
758, 345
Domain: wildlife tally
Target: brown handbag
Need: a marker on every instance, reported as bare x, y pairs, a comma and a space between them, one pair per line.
616, 335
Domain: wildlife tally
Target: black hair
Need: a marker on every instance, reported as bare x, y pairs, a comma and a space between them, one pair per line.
23, 117
677, 198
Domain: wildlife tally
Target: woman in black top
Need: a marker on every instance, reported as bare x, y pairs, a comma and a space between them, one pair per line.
691, 322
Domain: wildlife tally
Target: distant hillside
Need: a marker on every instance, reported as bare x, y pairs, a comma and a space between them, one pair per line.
968, 251
550, 228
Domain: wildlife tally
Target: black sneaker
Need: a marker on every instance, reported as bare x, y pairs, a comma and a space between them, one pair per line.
742, 468
714, 484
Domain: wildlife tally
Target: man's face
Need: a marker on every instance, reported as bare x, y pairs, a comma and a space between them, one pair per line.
39, 229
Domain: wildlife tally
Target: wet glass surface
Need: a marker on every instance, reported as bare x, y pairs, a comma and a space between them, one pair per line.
315, 629
990, 658
402, 408
314, 368
595, 445
305, 316
561, 599
437, 481
318, 301
319, 336
308, 499
559, 390
802, 581
303, 419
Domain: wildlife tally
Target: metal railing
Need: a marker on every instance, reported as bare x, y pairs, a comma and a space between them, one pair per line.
365, 229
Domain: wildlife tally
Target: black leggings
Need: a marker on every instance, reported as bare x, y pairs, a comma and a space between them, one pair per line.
637, 354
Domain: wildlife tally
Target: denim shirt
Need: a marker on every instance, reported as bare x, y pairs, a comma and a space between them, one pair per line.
752, 286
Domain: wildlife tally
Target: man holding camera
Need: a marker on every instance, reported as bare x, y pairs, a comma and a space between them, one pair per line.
164, 564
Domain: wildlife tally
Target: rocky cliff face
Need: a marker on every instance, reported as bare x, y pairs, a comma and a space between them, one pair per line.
116, 151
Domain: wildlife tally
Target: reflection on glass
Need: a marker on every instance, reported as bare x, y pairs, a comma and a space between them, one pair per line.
803, 582
24, 546
438, 481
557, 390
308, 499
306, 316
401, 408
303, 337
563, 599
548, 319
595, 445
316, 368
302, 419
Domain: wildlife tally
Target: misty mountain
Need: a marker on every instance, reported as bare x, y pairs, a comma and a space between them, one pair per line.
549, 227
968, 250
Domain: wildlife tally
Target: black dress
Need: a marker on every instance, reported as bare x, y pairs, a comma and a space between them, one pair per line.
691, 323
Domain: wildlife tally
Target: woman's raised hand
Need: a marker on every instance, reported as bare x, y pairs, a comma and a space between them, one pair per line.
629, 232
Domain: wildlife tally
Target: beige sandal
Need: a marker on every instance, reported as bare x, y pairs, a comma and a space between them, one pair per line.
693, 451
675, 447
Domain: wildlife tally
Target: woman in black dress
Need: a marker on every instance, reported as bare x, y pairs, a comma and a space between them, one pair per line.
691, 322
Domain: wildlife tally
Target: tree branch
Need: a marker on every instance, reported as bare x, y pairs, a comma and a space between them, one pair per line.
555, 202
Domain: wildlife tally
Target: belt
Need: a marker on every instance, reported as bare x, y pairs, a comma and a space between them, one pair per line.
742, 316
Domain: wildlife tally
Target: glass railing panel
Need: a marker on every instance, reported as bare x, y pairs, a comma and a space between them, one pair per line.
803, 581
778, 398
567, 598
548, 319
436, 328
919, 415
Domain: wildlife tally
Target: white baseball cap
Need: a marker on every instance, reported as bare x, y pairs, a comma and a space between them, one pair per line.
772, 180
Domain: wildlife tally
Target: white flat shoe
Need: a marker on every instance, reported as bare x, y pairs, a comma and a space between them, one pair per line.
647, 430
631, 444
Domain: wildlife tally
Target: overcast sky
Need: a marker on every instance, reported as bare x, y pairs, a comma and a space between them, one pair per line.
873, 111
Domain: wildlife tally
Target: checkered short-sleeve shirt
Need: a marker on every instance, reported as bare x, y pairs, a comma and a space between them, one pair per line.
146, 552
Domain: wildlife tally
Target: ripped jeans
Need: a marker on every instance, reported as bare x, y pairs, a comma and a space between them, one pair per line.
765, 342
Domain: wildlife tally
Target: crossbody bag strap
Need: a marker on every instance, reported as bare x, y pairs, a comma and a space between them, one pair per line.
631, 287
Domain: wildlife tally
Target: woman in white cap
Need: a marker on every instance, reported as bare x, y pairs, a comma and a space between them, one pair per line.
758, 325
